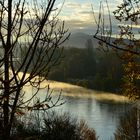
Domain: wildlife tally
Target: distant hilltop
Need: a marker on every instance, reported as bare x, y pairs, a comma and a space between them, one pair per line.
78, 40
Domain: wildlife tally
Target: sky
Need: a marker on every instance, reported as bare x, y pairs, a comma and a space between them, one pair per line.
78, 14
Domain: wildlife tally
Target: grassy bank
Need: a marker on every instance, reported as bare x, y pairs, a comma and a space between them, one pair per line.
77, 91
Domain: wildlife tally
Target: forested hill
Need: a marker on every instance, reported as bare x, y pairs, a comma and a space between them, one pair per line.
83, 64
89, 68
79, 40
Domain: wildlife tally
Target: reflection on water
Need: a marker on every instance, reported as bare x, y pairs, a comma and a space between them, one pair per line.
103, 117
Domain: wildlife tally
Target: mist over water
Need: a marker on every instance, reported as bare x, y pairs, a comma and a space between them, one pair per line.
101, 111
102, 116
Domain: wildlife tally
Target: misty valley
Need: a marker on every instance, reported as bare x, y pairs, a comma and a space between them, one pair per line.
69, 70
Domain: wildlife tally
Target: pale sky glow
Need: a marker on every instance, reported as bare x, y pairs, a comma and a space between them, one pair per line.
76, 11
78, 14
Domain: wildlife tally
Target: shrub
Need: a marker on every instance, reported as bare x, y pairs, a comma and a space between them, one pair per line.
55, 127
64, 127
128, 127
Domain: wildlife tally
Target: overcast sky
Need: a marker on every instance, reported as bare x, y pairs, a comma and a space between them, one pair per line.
78, 14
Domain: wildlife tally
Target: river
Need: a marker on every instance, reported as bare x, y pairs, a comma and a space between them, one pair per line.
102, 114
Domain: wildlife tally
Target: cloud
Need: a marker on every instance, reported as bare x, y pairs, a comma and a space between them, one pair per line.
112, 4
72, 5
77, 15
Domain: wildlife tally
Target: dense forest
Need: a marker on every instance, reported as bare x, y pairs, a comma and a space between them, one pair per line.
90, 68
86, 66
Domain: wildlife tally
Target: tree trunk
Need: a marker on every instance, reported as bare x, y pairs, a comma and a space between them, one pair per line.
6, 75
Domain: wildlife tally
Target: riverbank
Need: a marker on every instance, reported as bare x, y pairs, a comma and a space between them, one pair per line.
77, 91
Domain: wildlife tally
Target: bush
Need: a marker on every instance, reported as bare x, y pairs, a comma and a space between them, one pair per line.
64, 127
128, 127
55, 127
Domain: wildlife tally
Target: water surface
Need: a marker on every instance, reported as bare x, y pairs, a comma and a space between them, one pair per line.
102, 116
100, 113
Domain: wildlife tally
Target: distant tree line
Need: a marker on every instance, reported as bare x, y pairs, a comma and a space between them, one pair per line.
87, 67
90, 68
127, 43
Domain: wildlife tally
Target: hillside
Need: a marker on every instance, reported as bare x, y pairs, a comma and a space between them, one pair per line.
79, 40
